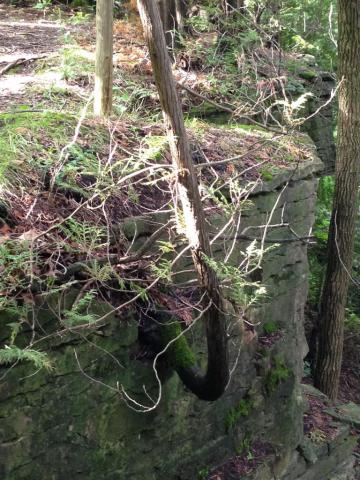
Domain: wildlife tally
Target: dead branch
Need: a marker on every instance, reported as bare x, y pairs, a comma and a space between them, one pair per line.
224, 108
230, 110
20, 61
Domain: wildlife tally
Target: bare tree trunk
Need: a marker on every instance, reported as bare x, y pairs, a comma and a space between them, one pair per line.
181, 7
230, 6
103, 58
167, 14
211, 385
173, 15
258, 11
345, 204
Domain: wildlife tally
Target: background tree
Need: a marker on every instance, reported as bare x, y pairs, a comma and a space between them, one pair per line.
310, 26
345, 204
104, 58
173, 14
211, 385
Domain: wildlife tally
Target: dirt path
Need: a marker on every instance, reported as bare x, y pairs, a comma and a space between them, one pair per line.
25, 38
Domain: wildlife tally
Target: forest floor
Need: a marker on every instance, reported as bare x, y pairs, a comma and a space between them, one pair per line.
46, 68
46, 83
46, 62
28, 39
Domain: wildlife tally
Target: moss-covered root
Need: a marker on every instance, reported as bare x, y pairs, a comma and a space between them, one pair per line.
179, 353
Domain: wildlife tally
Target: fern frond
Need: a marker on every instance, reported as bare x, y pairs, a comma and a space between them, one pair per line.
12, 354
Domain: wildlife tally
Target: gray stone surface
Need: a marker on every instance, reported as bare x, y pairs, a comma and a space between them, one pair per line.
320, 127
349, 413
327, 466
62, 425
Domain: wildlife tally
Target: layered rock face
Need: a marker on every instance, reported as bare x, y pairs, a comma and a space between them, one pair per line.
75, 422
320, 126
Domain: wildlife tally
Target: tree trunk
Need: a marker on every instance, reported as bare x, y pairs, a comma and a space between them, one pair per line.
181, 7
230, 6
345, 204
211, 385
167, 15
103, 58
173, 15
258, 11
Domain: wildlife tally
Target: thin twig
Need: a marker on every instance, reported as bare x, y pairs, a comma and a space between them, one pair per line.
115, 259
206, 99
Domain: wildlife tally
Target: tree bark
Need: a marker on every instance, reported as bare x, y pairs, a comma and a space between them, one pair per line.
103, 58
181, 7
345, 204
173, 15
230, 6
211, 385
167, 15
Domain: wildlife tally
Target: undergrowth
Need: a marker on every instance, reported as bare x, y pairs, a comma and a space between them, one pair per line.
31, 141
69, 184
75, 62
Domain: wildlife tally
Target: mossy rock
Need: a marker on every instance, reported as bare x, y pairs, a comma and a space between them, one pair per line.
276, 375
242, 409
308, 74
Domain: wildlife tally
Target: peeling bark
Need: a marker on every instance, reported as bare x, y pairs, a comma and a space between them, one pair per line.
211, 385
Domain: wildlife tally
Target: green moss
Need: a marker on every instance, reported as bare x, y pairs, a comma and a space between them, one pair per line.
30, 144
266, 175
242, 409
80, 3
270, 327
205, 109
22, 135
179, 353
203, 473
244, 447
278, 373
308, 74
